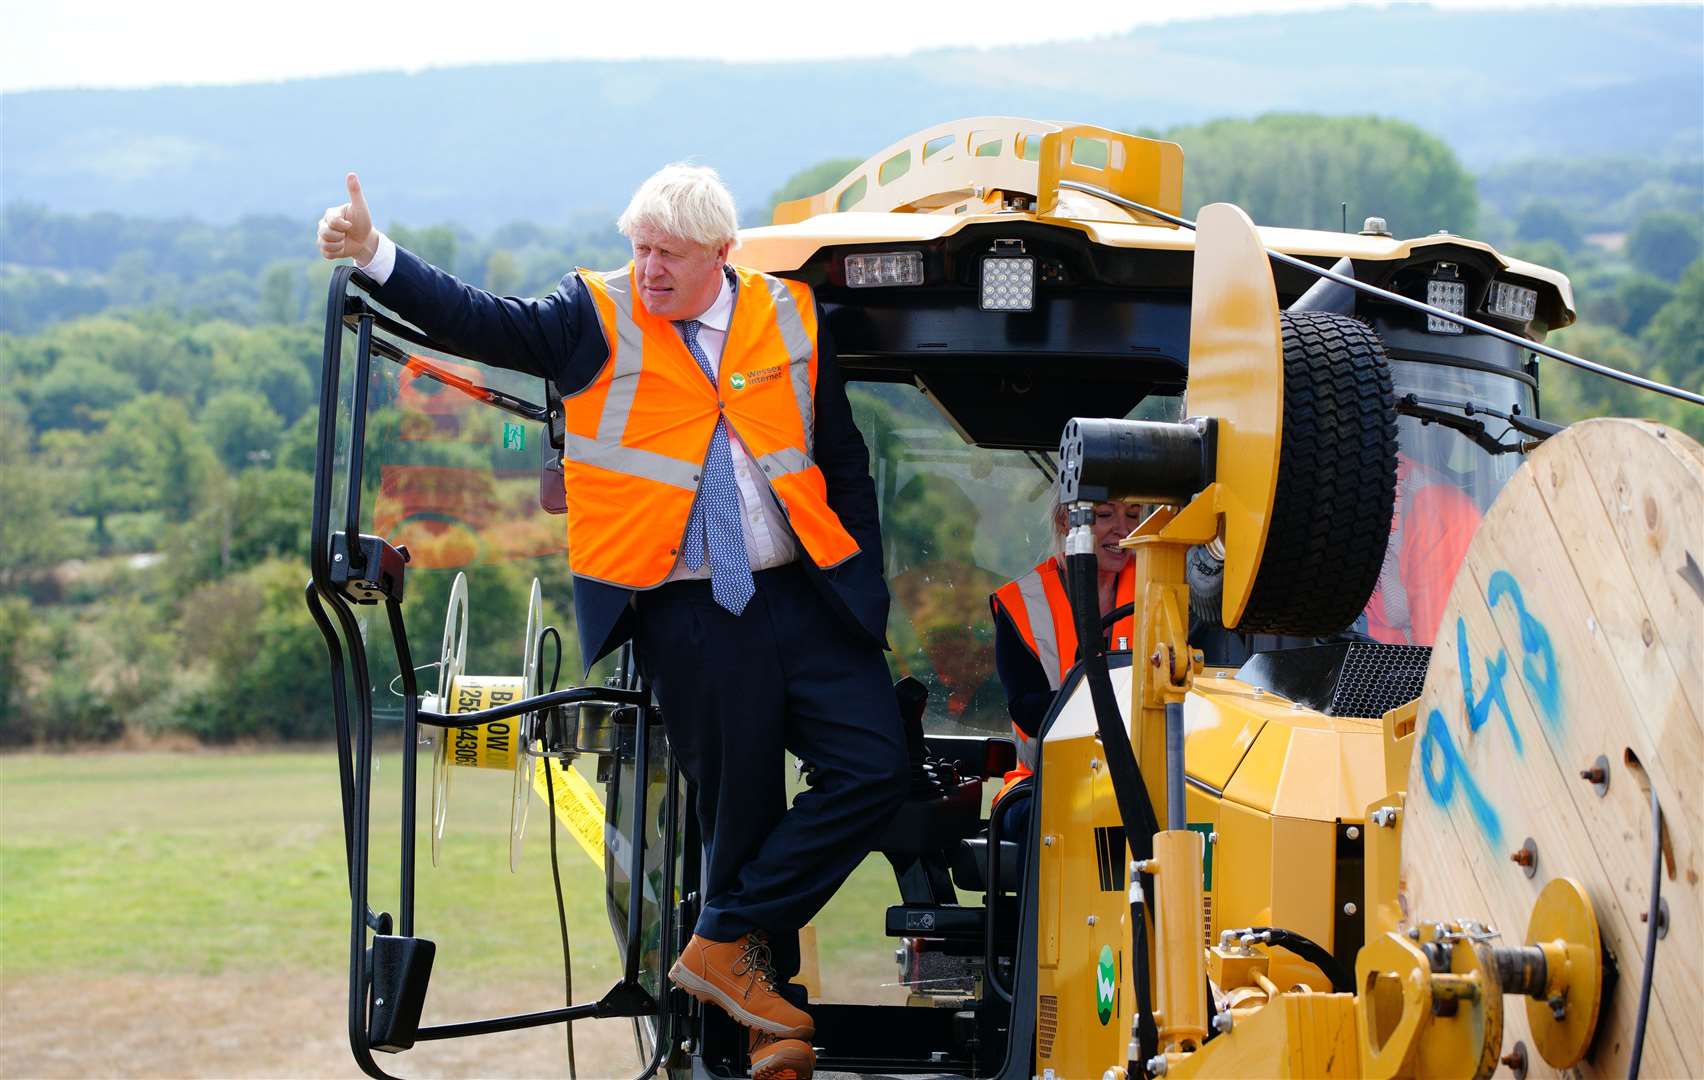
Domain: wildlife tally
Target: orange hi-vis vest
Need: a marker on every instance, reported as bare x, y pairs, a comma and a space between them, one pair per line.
1040, 609
637, 436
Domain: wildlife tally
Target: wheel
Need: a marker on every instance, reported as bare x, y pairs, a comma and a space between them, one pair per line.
1336, 488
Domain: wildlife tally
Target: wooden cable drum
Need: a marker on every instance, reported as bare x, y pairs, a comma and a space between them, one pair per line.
1573, 641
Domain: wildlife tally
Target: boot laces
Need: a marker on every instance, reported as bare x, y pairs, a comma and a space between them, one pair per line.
755, 960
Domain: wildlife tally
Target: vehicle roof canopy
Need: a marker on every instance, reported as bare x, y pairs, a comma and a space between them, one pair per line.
1111, 318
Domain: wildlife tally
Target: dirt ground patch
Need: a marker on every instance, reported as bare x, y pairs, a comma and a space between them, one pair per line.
263, 1026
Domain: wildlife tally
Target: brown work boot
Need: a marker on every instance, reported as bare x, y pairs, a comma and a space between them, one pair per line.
775, 1058
737, 976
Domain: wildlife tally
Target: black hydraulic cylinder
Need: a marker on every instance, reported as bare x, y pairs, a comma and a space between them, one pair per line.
1146, 460
1176, 817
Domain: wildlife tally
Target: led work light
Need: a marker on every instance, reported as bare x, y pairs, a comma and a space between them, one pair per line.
1008, 278
1450, 294
875, 269
1512, 301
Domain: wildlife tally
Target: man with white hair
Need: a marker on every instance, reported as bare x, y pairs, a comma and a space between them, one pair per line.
721, 514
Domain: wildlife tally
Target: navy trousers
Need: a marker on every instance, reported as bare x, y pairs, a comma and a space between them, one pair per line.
736, 692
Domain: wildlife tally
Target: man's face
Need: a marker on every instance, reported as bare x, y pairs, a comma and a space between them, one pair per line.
678, 279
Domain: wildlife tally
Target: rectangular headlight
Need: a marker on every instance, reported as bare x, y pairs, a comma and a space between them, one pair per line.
879, 268
1512, 301
1449, 294
1008, 283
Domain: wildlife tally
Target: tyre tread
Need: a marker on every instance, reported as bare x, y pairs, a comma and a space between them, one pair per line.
1336, 486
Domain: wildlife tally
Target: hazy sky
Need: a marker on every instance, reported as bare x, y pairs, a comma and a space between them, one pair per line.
55, 43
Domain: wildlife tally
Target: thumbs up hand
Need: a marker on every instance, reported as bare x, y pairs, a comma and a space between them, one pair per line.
347, 231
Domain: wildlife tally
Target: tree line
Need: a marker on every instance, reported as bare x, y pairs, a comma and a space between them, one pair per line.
157, 402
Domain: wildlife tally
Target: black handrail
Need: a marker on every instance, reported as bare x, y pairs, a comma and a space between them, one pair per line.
579, 695
352, 707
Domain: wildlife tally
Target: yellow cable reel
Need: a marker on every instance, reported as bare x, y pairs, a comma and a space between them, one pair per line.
497, 745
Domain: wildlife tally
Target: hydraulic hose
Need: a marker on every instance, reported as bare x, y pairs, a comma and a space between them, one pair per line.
1306, 948
1131, 793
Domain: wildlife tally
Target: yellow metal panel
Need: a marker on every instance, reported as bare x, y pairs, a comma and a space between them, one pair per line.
1242, 867
1399, 744
958, 168
1299, 1035
1147, 171
1382, 868
1218, 731
1302, 770
1229, 692
1255, 783
1304, 855
1051, 870
1236, 374
1331, 775
1092, 906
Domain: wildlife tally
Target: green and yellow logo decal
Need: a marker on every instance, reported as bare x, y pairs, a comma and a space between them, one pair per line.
737, 380
1106, 984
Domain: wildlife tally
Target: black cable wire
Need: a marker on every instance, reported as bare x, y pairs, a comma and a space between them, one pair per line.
1651, 929
550, 633
1146, 1031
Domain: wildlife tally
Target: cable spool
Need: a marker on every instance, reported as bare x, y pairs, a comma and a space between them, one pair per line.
452, 659
497, 745
521, 795
1566, 684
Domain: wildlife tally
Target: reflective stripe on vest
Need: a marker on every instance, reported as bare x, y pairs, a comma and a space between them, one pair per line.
627, 355
635, 437
1040, 610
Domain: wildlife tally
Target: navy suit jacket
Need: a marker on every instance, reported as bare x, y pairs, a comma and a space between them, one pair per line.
558, 337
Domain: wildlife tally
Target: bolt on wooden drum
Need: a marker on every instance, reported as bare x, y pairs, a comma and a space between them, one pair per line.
1567, 683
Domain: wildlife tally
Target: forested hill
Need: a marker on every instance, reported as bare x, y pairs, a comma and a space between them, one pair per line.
484, 145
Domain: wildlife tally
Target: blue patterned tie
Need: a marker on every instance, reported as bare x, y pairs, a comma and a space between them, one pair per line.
716, 512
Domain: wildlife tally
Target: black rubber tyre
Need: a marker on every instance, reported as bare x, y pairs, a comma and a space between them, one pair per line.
1336, 480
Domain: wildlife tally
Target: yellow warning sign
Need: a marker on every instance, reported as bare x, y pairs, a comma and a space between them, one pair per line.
489, 746
577, 806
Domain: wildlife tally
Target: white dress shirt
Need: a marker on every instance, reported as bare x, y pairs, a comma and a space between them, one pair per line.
768, 538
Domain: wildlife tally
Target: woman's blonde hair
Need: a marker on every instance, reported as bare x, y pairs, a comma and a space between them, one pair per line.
688, 202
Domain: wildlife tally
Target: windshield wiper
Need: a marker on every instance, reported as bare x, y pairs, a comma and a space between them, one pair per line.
1459, 416
420, 365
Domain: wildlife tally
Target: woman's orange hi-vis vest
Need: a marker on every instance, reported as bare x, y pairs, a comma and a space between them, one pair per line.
636, 437
1040, 609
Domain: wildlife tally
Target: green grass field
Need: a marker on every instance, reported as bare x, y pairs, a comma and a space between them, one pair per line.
214, 862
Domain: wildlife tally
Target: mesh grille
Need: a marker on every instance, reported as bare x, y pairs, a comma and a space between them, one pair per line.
1046, 1025
1377, 678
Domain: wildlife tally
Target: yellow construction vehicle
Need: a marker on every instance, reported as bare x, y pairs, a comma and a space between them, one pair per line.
1396, 775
